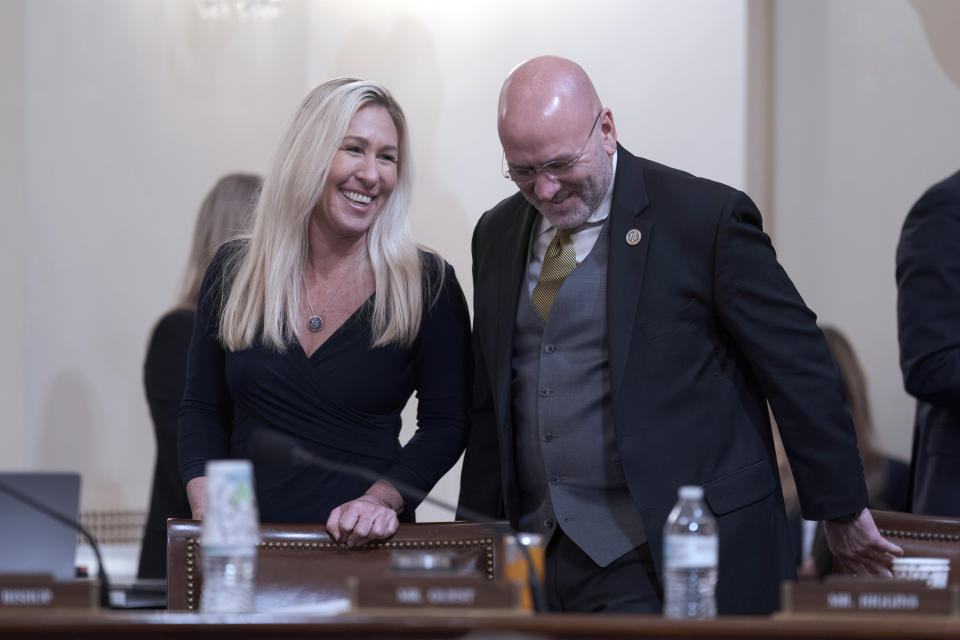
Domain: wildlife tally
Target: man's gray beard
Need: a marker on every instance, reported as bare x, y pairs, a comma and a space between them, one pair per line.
576, 218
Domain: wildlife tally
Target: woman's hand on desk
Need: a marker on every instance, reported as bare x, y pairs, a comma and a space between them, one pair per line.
196, 494
372, 516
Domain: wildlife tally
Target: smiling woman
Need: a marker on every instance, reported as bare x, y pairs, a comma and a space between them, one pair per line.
362, 176
324, 321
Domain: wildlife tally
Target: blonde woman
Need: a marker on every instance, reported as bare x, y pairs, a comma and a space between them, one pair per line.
323, 323
224, 214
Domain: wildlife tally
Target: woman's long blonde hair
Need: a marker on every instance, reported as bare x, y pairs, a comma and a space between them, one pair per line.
265, 275
226, 213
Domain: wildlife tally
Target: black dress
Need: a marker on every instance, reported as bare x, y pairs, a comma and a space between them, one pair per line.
164, 374
343, 402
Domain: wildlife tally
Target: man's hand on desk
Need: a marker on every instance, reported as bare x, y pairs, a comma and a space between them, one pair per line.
859, 548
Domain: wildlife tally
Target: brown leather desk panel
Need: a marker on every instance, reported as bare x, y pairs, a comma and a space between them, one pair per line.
923, 536
299, 564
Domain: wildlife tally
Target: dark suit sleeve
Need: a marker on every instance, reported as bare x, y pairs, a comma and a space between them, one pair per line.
786, 351
928, 297
480, 488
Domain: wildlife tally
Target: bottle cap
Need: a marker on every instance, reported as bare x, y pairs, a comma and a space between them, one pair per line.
690, 492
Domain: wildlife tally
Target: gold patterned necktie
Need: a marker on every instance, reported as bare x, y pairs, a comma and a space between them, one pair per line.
558, 263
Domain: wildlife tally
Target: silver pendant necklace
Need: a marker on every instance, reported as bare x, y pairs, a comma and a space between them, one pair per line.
315, 321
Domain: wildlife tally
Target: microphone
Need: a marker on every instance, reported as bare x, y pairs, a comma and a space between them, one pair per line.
42, 508
272, 447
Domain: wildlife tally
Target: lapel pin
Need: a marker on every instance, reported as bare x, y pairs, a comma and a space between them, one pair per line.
633, 237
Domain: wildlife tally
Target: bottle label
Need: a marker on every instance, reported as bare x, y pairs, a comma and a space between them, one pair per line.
210, 550
690, 552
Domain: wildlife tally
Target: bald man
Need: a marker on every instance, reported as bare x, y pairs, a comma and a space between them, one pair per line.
631, 324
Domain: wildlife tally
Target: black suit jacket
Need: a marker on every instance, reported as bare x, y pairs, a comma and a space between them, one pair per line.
704, 327
928, 315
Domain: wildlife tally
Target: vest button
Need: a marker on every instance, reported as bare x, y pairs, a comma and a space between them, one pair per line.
547, 437
544, 392
548, 523
554, 479
549, 348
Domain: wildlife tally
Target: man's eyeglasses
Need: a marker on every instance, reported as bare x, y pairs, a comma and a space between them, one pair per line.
554, 169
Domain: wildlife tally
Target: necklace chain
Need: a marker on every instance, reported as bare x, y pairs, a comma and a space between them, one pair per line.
315, 321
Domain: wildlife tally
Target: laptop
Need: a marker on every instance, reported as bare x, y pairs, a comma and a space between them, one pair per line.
30, 540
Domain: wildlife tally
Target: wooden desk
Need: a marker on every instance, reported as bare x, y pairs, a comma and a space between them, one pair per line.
186, 626
458, 624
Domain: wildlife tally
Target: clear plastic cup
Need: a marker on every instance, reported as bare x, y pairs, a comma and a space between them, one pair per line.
933, 571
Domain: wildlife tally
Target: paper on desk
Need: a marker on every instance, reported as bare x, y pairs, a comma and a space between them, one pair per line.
331, 607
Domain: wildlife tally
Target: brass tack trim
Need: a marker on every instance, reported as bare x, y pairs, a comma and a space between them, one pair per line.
485, 545
921, 535
191, 577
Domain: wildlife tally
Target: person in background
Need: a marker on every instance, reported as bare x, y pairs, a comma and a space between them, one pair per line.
631, 322
928, 323
324, 321
886, 477
224, 214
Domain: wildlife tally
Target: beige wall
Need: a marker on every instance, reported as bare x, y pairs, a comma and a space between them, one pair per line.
117, 116
12, 286
130, 110
867, 96
133, 110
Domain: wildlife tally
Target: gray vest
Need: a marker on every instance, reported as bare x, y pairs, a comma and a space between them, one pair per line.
568, 465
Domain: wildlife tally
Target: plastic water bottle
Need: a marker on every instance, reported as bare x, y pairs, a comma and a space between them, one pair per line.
690, 550
231, 533
228, 574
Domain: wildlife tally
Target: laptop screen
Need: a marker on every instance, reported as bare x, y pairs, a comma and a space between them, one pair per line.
31, 541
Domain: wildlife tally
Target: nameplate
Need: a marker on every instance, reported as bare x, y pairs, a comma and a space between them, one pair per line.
432, 593
868, 595
19, 591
